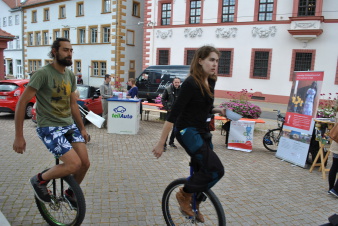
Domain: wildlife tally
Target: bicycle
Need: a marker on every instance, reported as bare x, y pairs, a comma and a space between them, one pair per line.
272, 137
210, 206
60, 211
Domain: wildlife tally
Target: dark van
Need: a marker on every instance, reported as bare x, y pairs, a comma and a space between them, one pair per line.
154, 79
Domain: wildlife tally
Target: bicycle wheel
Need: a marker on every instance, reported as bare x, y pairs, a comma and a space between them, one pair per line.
271, 139
59, 211
211, 207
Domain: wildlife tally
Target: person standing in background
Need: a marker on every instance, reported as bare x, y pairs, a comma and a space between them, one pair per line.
106, 92
333, 183
79, 78
169, 96
133, 90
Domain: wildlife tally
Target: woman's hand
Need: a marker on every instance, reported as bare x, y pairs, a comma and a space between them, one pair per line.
220, 111
158, 150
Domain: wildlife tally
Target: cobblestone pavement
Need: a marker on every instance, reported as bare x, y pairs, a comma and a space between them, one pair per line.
125, 183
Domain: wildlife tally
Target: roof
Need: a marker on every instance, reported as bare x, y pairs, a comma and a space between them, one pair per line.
12, 3
33, 2
4, 34
16, 81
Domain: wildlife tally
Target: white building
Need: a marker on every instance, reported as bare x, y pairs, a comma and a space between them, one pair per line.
11, 22
102, 32
262, 41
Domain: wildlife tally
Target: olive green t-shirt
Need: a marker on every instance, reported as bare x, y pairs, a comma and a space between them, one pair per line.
53, 96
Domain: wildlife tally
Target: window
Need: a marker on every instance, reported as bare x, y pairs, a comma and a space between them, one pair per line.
77, 67
105, 34
130, 37
10, 23
65, 33
18, 69
106, 6
99, 68
303, 62
260, 63
4, 22
228, 10
30, 38
265, 10
56, 34
48, 62
45, 37
79, 9
38, 38
17, 21
225, 63
163, 57
34, 16
34, 65
18, 43
166, 14
62, 11
10, 45
136, 9
195, 12
10, 66
93, 35
81, 35
307, 8
190, 56
46, 14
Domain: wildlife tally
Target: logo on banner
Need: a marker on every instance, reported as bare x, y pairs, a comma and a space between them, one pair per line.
119, 113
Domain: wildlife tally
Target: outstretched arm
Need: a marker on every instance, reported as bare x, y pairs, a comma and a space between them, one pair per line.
159, 148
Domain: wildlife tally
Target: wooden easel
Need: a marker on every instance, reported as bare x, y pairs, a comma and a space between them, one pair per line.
320, 153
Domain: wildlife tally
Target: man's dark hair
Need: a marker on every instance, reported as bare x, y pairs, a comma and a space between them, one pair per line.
177, 78
56, 46
106, 76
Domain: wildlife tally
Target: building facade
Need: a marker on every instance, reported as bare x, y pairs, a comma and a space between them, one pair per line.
262, 42
103, 35
11, 22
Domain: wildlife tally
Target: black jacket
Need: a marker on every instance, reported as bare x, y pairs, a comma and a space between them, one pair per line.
169, 96
192, 108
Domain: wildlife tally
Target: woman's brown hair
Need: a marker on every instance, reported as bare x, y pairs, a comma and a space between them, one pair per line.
132, 80
196, 70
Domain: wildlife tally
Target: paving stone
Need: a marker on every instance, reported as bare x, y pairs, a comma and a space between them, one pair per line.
125, 183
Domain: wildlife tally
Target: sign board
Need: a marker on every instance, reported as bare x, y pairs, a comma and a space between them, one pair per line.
241, 135
302, 108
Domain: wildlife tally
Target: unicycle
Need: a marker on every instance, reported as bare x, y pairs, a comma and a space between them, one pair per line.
209, 206
60, 211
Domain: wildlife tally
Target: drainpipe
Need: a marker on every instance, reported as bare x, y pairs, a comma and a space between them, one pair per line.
23, 64
116, 39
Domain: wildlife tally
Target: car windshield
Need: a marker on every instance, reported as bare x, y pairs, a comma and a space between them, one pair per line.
7, 87
83, 90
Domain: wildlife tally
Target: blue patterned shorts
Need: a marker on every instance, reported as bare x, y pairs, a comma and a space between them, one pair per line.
55, 140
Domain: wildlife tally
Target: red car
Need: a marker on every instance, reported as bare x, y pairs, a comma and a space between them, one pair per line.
10, 92
89, 99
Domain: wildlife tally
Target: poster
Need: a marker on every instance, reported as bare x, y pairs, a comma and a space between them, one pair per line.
302, 109
241, 135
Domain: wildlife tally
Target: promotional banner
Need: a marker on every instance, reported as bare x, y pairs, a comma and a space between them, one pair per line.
302, 108
241, 135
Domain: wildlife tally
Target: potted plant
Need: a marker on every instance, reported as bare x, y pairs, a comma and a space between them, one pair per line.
241, 105
327, 106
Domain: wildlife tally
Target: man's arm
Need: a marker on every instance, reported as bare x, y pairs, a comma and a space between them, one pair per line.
77, 116
19, 144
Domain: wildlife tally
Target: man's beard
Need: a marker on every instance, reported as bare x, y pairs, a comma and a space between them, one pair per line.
65, 61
